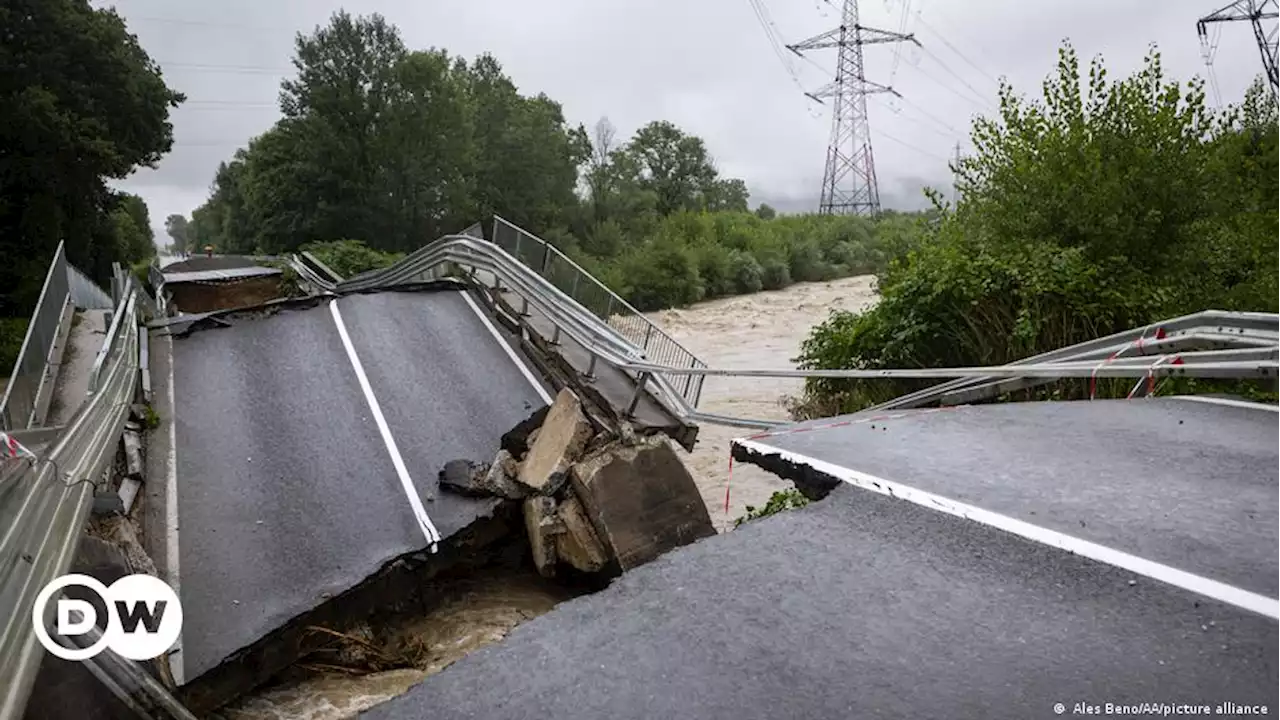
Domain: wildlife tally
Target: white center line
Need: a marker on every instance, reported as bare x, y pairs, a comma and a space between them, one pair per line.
419, 512
1200, 585
524, 369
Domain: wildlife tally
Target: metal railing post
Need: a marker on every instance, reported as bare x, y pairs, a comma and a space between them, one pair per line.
590, 374
635, 396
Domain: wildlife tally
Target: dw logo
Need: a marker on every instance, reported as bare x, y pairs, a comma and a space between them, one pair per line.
144, 617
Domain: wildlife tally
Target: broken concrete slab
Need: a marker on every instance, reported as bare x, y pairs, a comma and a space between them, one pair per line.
460, 476
641, 500
579, 545
542, 525
516, 440
561, 439
132, 454
496, 479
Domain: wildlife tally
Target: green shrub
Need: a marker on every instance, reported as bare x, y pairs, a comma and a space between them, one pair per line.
1079, 217
748, 276
12, 332
662, 274
351, 257
778, 502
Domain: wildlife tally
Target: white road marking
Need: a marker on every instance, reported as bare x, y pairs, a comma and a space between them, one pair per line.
1222, 592
524, 369
176, 664
410, 491
1228, 401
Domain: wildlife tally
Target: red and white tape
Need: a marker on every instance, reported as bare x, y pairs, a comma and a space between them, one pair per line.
13, 448
1093, 377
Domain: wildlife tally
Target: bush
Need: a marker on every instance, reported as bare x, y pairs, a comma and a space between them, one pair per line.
662, 274
351, 257
12, 332
1079, 218
748, 276
778, 502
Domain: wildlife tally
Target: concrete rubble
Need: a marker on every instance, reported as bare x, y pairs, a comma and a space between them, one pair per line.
558, 442
595, 503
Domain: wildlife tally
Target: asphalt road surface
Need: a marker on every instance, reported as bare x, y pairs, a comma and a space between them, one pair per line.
287, 490
871, 605
1192, 485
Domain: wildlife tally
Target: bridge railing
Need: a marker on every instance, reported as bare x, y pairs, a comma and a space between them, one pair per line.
30, 383
655, 344
45, 500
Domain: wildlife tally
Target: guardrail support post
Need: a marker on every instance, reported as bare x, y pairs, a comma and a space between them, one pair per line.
635, 397
555, 337
524, 307
591, 368
648, 333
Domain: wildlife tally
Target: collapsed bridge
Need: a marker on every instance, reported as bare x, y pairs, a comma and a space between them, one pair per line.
299, 444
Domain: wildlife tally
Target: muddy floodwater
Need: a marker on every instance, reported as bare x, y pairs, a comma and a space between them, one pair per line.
474, 612
753, 331
763, 330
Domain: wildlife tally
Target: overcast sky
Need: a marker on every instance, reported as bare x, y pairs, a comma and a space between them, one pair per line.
706, 65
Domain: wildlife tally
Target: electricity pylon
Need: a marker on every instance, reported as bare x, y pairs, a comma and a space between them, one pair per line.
1255, 11
849, 182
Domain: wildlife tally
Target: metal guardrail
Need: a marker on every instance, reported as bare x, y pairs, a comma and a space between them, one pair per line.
65, 288
655, 344
44, 503
1207, 334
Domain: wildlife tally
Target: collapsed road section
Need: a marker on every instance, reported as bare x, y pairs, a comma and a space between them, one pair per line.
1005, 561
303, 436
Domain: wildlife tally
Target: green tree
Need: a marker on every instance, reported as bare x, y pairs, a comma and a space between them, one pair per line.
176, 227
662, 159
1096, 210
132, 223
80, 103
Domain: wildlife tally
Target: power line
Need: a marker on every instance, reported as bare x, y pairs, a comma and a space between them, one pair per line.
849, 184
909, 146
1254, 11
920, 21
776, 41
977, 93
931, 116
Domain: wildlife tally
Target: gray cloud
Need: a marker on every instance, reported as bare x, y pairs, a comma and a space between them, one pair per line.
705, 66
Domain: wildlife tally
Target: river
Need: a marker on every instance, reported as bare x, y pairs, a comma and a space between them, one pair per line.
763, 330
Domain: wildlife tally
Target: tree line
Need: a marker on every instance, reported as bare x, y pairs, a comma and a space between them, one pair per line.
80, 104
389, 148
1106, 206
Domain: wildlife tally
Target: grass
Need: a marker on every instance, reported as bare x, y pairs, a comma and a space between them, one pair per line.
778, 502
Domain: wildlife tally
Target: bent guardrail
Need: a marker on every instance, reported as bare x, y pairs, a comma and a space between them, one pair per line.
1213, 344
30, 382
655, 344
45, 501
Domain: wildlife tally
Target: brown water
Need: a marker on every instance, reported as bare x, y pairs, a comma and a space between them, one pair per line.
476, 612
763, 330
